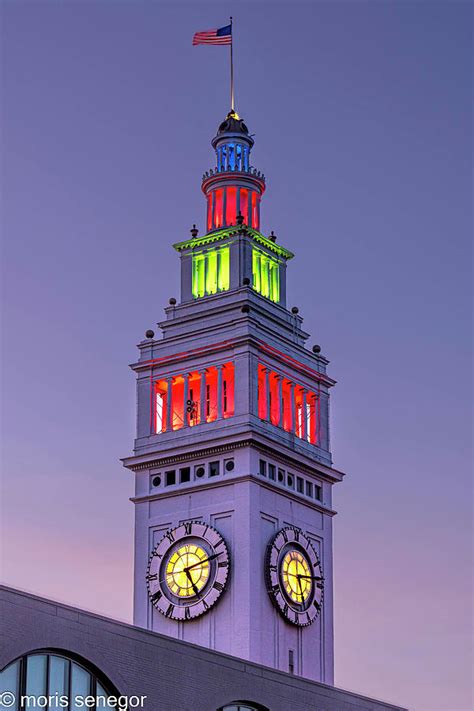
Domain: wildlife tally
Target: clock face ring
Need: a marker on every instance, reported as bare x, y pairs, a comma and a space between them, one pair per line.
294, 576
188, 570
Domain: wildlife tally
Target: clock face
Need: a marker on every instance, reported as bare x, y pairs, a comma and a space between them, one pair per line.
294, 576
188, 571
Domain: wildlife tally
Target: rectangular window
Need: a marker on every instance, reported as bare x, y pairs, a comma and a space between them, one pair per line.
160, 412
299, 485
213, 468
199, 272
223, 276
58, 680
244, 204
309, 489
184, 475
36, 675
231, 206
228, 389
255, 210
317, 492
281, 476
262, 467
219, 208
266, 275
170, 478
211, 272
271, 472
209, 212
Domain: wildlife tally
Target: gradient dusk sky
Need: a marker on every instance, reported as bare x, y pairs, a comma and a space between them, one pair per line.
362, 118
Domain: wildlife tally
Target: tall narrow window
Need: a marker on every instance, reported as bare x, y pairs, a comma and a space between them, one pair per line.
266, 275
208, 401
223, 281
231, 158
255, 210
160, 412
228, 389
231, 206
199, 273
211, 272
244, 205
219, 208
209, 212
238, 157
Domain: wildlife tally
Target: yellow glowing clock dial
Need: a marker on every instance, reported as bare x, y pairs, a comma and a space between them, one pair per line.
296, 575
187, 571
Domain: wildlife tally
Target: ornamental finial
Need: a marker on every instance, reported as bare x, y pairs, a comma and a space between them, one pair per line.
194, 232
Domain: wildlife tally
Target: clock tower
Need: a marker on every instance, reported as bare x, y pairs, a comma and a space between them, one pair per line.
232, 462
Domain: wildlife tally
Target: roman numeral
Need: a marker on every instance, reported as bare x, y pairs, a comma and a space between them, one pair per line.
317, 605
272, 568
275, 589
152, 576
285, 535
308, 618
188, 527
169, 611
223, 564
218, 586
156, 554
187, 613
297, 535
170, 536
285, 609
206, 606
220, 542
156, 596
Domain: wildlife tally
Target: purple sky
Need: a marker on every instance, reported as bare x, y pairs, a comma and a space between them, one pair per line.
362, 118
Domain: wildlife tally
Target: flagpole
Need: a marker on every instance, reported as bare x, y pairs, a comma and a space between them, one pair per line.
231, 67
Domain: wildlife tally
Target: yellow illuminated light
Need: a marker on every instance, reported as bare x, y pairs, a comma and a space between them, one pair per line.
296, 575
187, 571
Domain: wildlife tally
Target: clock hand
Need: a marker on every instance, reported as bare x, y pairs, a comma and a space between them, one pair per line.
195, 565
310, 577
193, 584
301, 589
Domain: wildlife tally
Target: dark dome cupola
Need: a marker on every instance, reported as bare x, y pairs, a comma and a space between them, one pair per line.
233, 186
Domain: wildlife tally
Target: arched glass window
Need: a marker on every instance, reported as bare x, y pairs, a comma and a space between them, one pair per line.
56, 680
243, 706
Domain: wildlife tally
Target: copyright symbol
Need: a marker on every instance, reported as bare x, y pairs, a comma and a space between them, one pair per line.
7, 699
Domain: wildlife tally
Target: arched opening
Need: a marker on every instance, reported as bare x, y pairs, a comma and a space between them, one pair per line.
57, 680
243, 706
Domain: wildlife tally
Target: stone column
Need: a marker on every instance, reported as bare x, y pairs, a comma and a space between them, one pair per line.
202, 396
169, 405
185, 399
292, 408
280, 401
219, 392
304, 428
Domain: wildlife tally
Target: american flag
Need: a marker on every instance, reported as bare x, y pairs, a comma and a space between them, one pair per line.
223, 35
